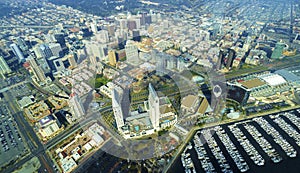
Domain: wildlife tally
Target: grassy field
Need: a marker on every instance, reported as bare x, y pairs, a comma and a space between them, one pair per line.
101, 80
245, 70
275, 64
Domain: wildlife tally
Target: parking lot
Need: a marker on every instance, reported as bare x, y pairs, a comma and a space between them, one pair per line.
11, 143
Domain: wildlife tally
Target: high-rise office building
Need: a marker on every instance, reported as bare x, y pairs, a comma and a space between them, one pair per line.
97, 50
131, 24
94, 28
45, 51
117, 109
181, 65
102, 36
55, 63
4, 68
111, 29
37, 70
72, 60
165, 24
143, 18
50, 38
18, 53
220, 61
171, 62
60, 38
277, 53
123, 23
230, 58
161, 63
154, 111
112, 57
138, 22
76, 106
37, 52
148, 20
55, 49
42, 62
136, 35
22, 44
132, 54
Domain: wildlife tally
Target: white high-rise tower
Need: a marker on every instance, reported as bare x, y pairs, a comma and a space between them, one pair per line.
116, 105
76, 106
154, 112
37, 70
132, 54
16, 50
4, 68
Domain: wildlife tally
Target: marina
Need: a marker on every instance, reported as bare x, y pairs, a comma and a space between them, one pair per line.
259, 144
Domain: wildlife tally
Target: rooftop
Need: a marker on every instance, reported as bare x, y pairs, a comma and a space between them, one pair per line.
273, 79
165, 109
189, 101
46, 120
253, 83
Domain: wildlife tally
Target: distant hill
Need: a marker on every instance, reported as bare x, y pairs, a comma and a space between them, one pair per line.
4, 9
99, 7
108, 7
8, 7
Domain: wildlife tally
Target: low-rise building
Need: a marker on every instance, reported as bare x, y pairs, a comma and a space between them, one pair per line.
107, 89
48, 126
26, 101
37, 111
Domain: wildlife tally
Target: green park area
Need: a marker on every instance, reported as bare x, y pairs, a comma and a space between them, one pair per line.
246, 69
101, 80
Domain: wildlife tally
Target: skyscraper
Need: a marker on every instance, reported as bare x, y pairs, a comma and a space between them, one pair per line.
136, 35
123, 23
220, 61
277, 53
18, 53
181, 65
72, 60
37, 70
111, 29
94, 28
102, 36
97, 50
117, 108
55, 63
44, 51
148, 19
145, 19
131, 24
230, 58
112, 57
4, 68
76, 106
143, 15
55, 49
132, 54
50, 38
60, 38
154, 112
161, 63
171, 62
22, 44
